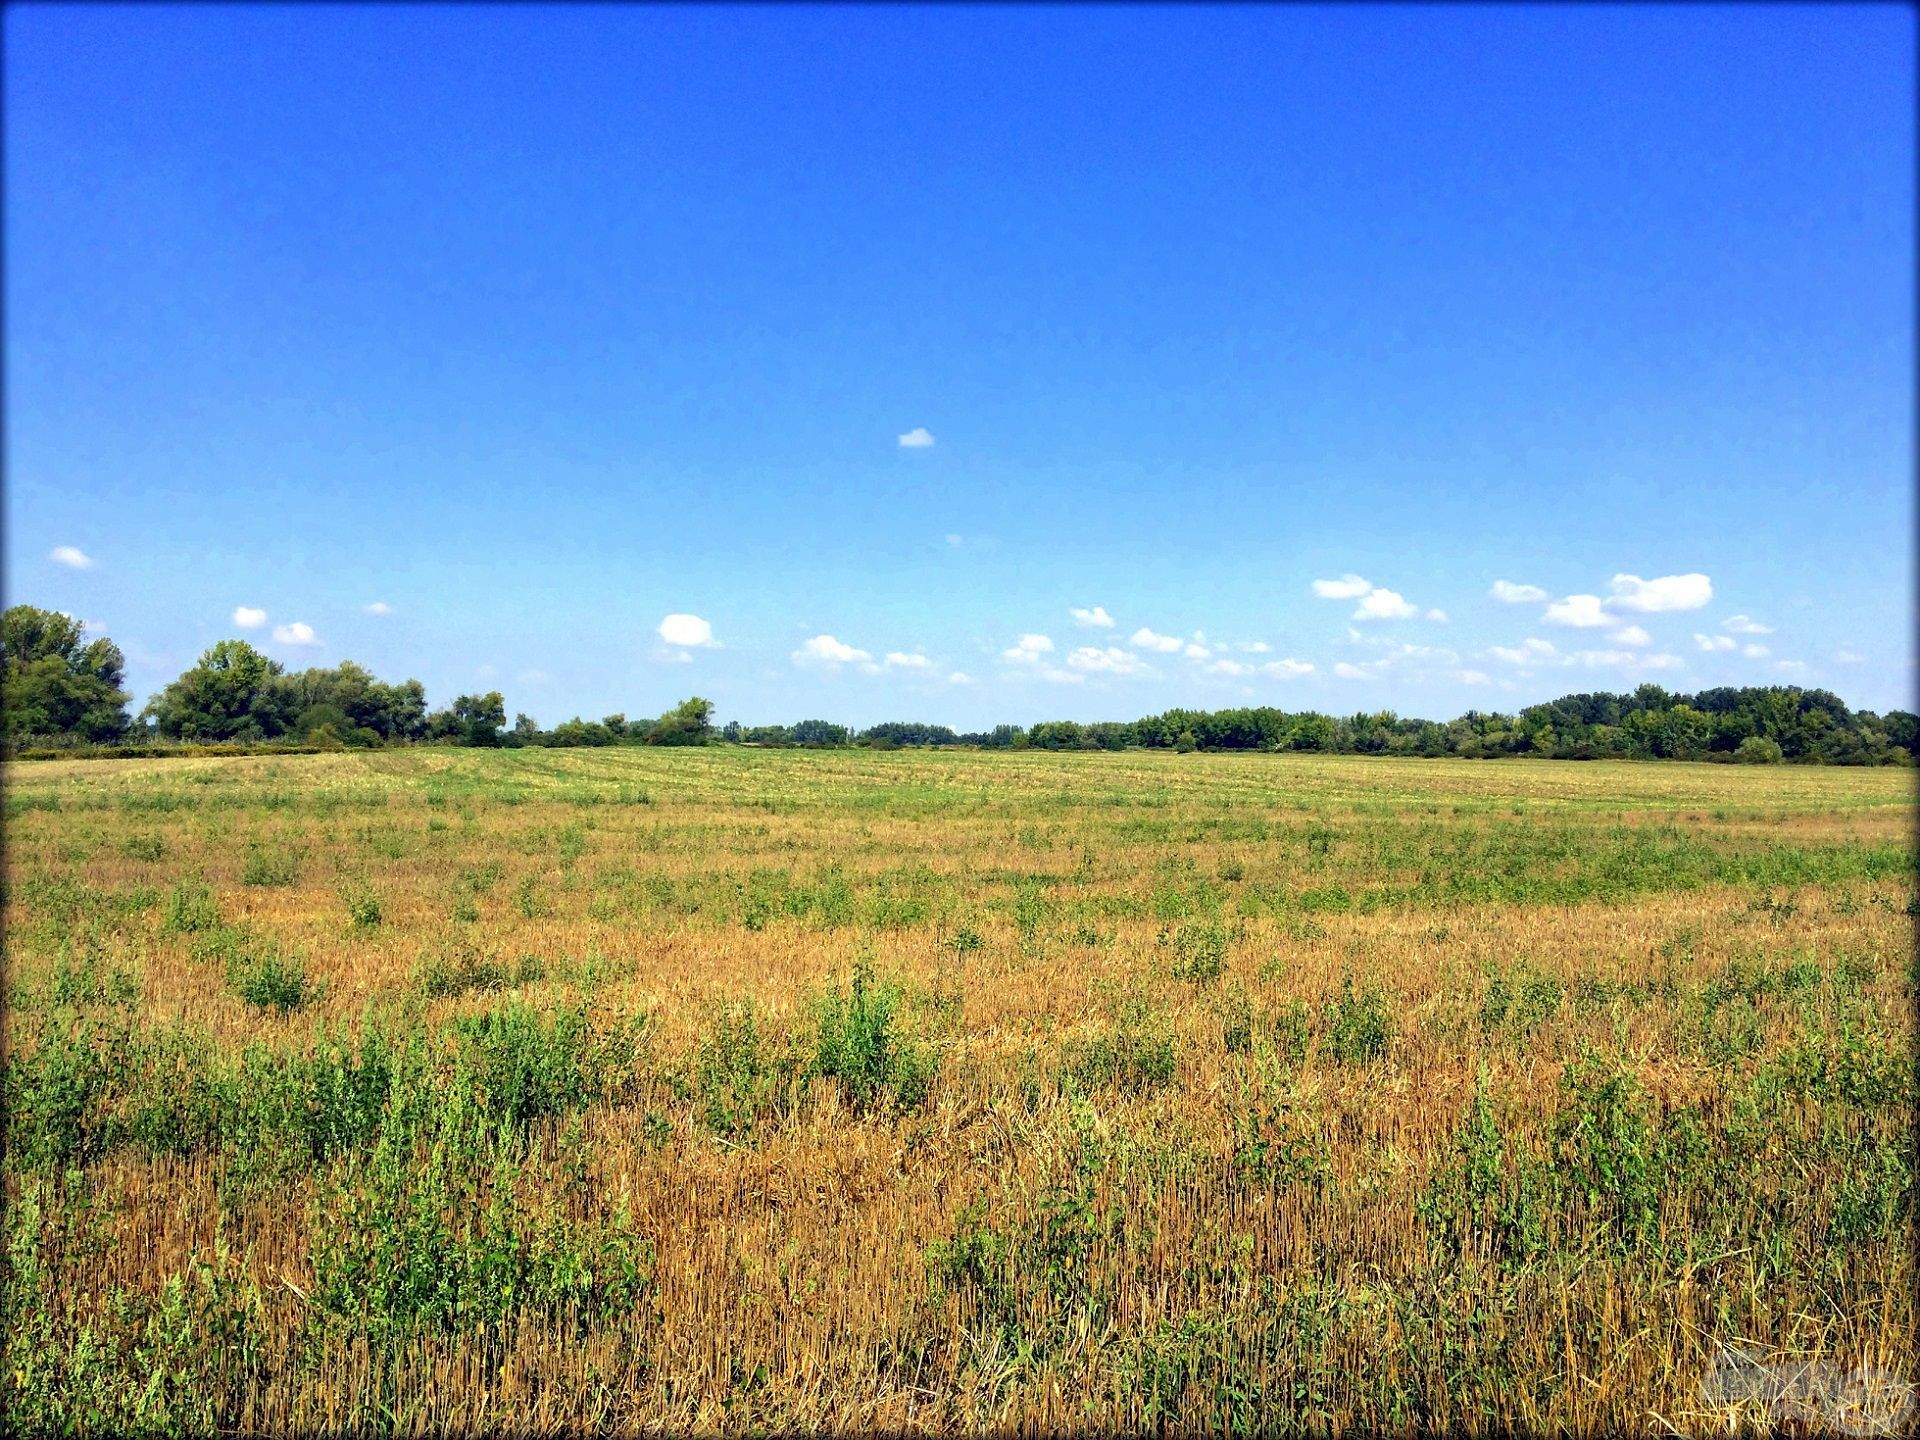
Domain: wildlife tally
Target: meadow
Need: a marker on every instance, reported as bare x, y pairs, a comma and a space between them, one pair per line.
730, 1090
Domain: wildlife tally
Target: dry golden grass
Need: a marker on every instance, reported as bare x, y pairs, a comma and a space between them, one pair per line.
1125, 1190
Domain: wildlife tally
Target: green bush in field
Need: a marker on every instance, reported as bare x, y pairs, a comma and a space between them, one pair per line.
741, 1078
270, 867
269, 980
529, 1069
857, 1043
363, 906
1200, 952
1356, 1026
1134, 1051
190, 909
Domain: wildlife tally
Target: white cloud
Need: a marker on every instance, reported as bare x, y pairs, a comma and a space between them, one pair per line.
825, 650
1527, 652
1713, 642
1631, 635
1509, 593
902, 661
1348, 671
1439, 617
1145, 639
960, 677
248, 618
1847, 655
1745, 625
687, 631
1228, 667
1347, 587
1255, 647
1662, 662
1097, 617
1754, 652
953, 539
379, 607
1669, 592
1111, 660
296, 632
1029, 650
1601, 657
71, 556
1287, 669
1381, 604
1474, 677
1792, 667
918, 438
1197, 652
1583, 611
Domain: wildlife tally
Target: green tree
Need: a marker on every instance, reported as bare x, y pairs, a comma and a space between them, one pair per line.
470, 720
688, 723
225, 696
52, 684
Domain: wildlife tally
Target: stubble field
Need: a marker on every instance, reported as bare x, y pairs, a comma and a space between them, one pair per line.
731, 1090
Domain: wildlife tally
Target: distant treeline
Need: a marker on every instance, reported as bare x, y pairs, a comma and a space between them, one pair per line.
60, 695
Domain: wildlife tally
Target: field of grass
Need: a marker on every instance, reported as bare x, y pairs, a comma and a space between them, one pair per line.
733, 1090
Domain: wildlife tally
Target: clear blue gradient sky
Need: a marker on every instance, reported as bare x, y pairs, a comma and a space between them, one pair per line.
537, 326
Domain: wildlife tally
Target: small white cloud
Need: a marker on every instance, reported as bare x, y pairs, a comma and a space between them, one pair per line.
1582, 611
1111, 660
1287, 669
296, 632
1846, 655
1669, 592
1347, 671
1145, 639
825, 650
1474, 677
1029, 649
1714, 642
902, 661
1527, 652
1228, 667
1439, 617
953, 539
1097, 617
71, 556
1792, 667
1509, 593
1197, 652
1662, 662
1600, 658
379, 607
1255, 647
248, 618
1745, 625
960, 677
918, 438
1754, 652
1631, 635
1381, 604
687, 631
1347, 587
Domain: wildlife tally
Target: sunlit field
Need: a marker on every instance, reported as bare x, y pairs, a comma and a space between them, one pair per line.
732, 1090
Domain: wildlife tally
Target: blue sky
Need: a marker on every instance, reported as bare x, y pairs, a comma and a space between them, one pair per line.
1275, 339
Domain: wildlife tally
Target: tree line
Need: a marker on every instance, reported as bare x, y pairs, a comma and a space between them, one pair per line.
59, 691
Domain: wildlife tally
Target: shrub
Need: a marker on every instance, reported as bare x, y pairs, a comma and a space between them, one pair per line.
1357, 1026
856, 1045
270, 868
1758, 750
190, 908
363, 906
269, 980
1200, 952
1134, 1052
